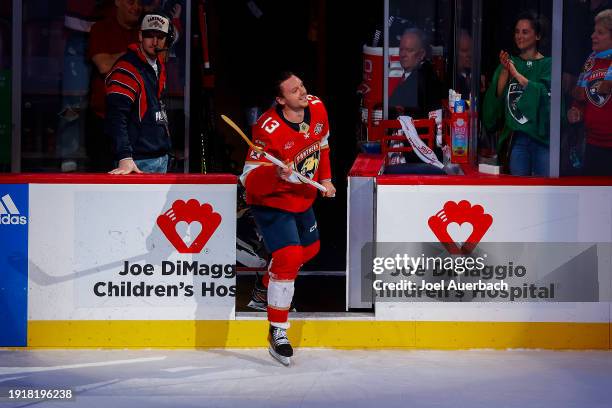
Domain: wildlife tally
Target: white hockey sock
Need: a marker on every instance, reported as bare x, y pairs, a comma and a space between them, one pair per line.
280, 294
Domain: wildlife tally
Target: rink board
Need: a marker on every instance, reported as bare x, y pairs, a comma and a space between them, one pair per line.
97, 248
343, 334
574, 217
110, 229
14, 264
80, 234
577, 216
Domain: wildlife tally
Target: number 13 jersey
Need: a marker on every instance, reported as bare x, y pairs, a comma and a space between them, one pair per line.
304, 147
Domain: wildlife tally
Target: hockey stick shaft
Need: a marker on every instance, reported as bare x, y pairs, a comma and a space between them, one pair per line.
271, 158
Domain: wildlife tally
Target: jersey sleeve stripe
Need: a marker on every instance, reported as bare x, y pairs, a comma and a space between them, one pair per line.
248, 167
119, 69
325, 141
126, 79
120, 84
119, 91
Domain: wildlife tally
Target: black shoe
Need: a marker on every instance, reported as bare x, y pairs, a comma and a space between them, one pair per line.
280, 348
259, 296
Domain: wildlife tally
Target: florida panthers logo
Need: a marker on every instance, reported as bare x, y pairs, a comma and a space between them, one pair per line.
307, 161
515, 92
318, 128
594, 96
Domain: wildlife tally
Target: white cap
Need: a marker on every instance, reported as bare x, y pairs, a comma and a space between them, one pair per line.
155, 22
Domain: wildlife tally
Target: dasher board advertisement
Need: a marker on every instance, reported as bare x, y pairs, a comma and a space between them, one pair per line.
132, 252
534, 253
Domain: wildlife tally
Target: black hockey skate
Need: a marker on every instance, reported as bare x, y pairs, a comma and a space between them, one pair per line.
259, 296
280, 348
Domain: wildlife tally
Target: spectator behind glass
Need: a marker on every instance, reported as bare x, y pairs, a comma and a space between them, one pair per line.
80, 17
463, 78
136, 117
578, 17
420, 90
593, 94
519, 97
577, 28
109, 39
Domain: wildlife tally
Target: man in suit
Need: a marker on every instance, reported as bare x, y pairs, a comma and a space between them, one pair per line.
420, 90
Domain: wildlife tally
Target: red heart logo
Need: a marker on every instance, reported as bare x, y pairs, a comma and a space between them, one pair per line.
188, 231
189, 212
460, 213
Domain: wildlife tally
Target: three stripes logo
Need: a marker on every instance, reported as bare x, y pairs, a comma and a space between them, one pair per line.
9, 213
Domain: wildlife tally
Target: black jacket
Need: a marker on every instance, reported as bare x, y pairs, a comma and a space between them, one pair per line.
419, 94
136, 119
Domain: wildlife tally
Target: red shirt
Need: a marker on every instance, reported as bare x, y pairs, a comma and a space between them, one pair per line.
596, 108
307, 151
107, 37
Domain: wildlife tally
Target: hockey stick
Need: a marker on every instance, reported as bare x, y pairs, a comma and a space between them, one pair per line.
271, 158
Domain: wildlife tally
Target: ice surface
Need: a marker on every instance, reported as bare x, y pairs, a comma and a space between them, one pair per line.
317, 378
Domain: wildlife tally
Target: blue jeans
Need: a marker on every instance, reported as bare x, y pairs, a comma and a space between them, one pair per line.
75, 90
528, 156
156, 165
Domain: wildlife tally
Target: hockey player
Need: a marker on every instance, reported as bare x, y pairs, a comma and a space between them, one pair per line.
295, 131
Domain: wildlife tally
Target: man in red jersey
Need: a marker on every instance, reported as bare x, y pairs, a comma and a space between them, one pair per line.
108, 41
296, 131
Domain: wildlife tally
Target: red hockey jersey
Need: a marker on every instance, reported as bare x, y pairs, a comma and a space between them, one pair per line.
304, 147
596, 107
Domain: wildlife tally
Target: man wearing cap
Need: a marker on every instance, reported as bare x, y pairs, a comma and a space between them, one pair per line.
136, 119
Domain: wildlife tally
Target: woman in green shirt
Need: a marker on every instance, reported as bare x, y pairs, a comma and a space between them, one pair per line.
519, 95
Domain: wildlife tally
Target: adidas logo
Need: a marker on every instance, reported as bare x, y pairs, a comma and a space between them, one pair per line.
9, 213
